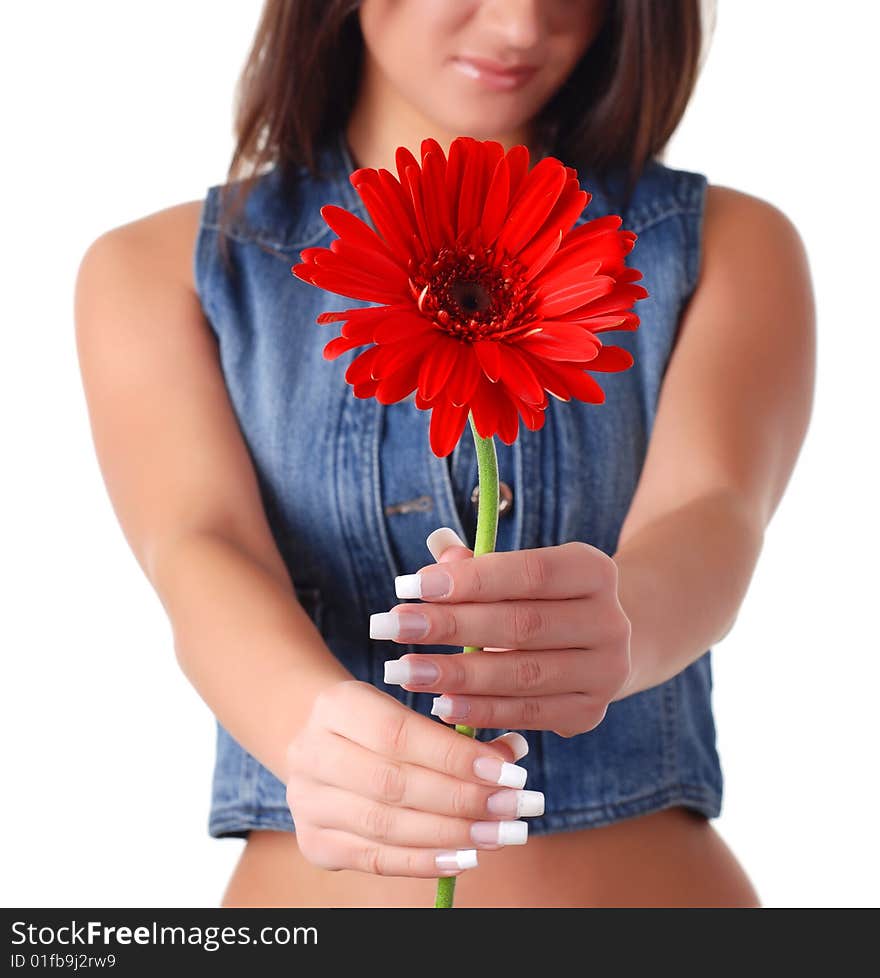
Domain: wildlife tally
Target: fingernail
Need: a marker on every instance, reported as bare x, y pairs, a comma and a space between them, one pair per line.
457, 859
418, 672
442, 538
518, 744
500, 772
500, 833
517, 804
401, 626
445, 706
427, 584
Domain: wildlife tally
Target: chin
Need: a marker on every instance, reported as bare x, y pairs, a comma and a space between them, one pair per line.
485, 125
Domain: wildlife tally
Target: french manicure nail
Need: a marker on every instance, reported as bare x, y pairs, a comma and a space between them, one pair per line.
500, 772
518, 744
432, 583
445, 706
517, 804
442, 538
500, 833
417, 672
402, 626
457, 859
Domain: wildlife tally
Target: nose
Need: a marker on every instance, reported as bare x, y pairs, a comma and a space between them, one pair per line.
516, 23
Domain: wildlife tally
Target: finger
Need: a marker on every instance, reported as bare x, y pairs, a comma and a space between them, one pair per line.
576, 712
330, 807
332, 760
386, 727
569, 570
336, 849
511, 673
526, 624
445, 545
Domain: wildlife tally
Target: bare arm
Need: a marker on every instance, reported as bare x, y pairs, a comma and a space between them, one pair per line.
183, 487
733, 413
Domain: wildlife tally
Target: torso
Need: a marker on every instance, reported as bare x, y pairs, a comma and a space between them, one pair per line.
673, 857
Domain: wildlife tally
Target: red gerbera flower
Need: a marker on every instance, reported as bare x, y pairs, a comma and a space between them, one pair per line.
487, 300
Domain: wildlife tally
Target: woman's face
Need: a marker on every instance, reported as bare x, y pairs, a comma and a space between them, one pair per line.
418, 51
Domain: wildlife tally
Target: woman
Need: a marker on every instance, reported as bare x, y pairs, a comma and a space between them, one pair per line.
276, 509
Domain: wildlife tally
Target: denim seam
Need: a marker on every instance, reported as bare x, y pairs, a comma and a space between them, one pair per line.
278, 246
694, 245
639, 228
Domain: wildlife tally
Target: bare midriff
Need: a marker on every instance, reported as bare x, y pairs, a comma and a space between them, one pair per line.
670, 858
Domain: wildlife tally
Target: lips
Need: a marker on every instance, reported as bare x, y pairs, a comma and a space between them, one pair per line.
487, 66
493, 74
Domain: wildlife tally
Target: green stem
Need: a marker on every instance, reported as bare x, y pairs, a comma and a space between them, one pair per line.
487, 529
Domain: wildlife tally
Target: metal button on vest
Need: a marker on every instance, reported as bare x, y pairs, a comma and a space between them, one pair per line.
505, 498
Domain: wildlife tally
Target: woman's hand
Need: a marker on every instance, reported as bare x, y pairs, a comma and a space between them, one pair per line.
554, 638
376, 787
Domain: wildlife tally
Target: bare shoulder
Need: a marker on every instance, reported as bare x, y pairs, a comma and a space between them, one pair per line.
169, 446
167, 238
740, 224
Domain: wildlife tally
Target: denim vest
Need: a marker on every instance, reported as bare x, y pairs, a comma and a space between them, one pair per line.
351, 488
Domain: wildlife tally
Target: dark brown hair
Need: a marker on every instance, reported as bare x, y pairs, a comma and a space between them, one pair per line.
616, 111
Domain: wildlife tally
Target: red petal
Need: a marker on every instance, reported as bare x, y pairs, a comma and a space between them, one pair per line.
573, 379
342, 344
389, 217
570, 203
360, 369
612, 358
465, 375
533, 417
484, 406
400, 384
370, 313
403, 158
489, 357
471, 193
508, 419
371, 262
536, 264
572, 343
620, 300
366, 389
437, 364
495, 206
518, 165
350, 226
447, 424
430, 145
414, 184
551, 379
434, 199
400, 326
574, 294
542, 188
454, 170
519, 377
355, 287
392, 356
616, 319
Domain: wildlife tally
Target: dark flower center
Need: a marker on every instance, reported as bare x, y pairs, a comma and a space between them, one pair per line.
473, 293
470, 296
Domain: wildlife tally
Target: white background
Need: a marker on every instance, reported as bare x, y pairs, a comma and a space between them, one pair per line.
115, 110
